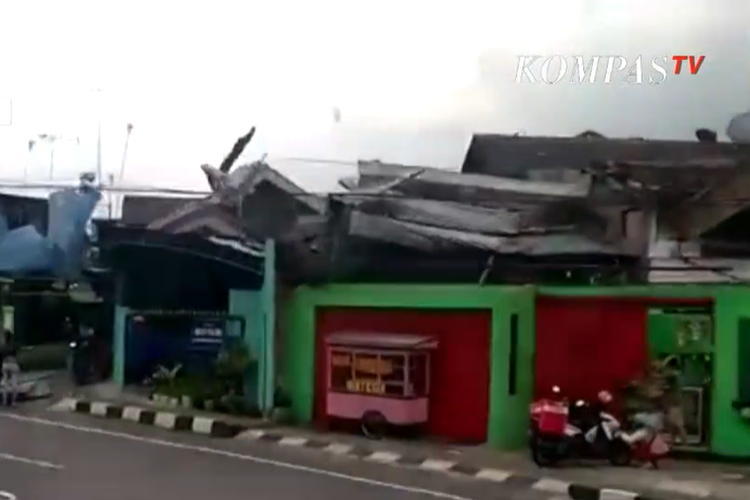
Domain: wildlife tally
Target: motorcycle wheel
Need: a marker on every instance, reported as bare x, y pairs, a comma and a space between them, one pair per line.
620, 453
541, 456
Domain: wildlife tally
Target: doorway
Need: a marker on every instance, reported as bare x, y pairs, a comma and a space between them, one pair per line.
683, 338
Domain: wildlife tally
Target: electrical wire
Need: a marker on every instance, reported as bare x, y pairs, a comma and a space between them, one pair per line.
8, 184
738, 202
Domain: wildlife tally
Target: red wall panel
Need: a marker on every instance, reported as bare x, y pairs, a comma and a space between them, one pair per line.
589, 345
460, 371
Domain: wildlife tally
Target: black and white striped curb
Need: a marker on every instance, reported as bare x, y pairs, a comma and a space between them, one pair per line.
219, 428
157, 418
507, 478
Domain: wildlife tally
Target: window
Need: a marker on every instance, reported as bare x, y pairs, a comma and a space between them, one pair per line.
513, 354
391, 373
418, 375
341, 369
367, 372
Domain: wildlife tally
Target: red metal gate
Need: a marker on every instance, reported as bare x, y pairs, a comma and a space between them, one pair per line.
460, 371
589, 345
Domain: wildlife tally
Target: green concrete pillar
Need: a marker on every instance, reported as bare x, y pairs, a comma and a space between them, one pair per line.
248, 305
118, 344
268, 297
119, 330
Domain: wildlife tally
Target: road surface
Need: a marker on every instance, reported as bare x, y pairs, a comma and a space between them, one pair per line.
60, 456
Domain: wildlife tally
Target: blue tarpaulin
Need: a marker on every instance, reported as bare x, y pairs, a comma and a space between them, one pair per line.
60, 253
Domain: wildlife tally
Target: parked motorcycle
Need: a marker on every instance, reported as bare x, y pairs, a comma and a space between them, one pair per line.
87, 359
560, 430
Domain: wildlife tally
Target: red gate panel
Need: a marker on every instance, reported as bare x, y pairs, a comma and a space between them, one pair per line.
589, 345
460, 371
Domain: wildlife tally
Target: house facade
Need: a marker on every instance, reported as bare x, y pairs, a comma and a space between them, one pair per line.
504, 345
524, 278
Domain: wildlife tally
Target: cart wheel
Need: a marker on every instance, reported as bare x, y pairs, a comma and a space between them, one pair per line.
373, 424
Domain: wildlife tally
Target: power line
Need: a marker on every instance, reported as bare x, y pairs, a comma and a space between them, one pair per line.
739, 202
325, 161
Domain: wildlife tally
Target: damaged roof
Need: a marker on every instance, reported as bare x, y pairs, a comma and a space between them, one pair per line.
228, 207
477, 189
436, 210
141, 210
439, 239
513, 155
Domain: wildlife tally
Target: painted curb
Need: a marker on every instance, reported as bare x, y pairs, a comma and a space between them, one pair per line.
388, 457
221, 429
582, 492
498, 476
164, 419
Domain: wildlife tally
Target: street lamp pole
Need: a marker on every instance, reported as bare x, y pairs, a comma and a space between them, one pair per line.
52, 157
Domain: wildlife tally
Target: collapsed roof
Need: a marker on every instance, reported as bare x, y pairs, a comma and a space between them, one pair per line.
496, 206
632, 165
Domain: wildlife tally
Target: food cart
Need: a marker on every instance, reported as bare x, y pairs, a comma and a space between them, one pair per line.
378, 379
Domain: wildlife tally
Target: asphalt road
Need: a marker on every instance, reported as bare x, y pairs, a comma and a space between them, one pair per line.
60, 456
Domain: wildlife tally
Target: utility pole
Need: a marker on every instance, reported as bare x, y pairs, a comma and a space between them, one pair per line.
51, 140
99, 176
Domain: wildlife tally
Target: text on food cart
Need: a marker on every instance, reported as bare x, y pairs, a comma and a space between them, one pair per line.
372, 366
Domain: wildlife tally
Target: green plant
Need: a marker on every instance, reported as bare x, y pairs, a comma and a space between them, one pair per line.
232, 365
165, 380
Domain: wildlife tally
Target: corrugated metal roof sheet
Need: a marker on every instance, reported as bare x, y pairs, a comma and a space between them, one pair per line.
429, 238
472, 187
510, 155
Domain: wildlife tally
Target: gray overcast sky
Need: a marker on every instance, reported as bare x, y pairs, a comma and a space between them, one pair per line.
412, 79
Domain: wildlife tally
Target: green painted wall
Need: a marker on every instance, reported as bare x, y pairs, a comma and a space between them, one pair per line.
118, 344
249, 305
257, 307
508, 418
661, 337
729, 434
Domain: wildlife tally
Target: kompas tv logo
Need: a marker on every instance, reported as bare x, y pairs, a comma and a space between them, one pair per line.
579, 69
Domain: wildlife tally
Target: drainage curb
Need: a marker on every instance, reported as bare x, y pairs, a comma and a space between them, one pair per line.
583, 492
441, 465
221, 429
157, 418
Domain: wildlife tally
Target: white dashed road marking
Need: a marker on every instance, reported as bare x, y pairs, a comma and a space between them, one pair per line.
30, 461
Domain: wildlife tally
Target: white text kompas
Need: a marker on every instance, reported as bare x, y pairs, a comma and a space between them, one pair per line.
605, 69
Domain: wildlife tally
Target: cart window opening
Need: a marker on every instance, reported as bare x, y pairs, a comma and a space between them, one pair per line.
368, 372
341, 369
418, 375
513, 354
391, 368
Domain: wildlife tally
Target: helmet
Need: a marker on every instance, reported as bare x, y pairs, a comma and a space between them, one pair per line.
604, 397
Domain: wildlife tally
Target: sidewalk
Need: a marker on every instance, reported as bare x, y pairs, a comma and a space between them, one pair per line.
109, 392
675, 480
687, 479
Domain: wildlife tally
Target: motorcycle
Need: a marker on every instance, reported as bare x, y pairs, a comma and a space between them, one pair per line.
87, 360
560, 430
